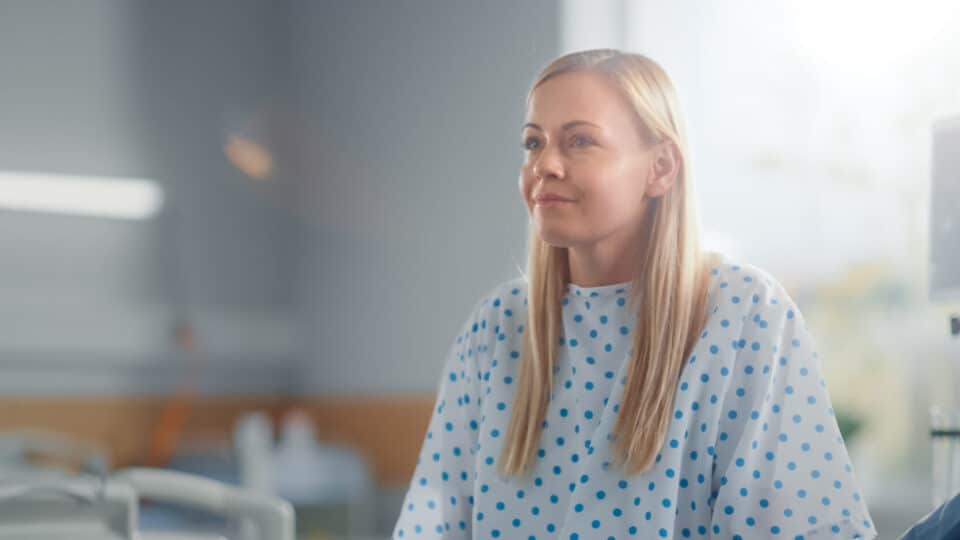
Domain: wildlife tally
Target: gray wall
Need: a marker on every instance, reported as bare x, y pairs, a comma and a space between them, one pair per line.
144, 89
396, 132
412, 143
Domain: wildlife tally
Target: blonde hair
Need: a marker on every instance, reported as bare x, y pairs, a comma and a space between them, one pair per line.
668, 293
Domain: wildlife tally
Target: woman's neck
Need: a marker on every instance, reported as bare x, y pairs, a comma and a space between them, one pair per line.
604, 263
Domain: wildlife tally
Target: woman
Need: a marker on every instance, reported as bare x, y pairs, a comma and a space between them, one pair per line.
630, 385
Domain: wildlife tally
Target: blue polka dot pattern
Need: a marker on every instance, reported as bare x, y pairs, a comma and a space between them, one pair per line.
752, 449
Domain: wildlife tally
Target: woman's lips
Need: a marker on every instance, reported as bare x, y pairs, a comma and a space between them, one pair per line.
552, 203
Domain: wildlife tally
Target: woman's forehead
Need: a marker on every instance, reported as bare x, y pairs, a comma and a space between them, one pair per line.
576, 96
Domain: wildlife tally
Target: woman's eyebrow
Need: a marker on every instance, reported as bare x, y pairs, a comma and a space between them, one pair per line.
566, 126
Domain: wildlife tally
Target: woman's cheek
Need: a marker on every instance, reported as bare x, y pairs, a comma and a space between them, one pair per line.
524, 185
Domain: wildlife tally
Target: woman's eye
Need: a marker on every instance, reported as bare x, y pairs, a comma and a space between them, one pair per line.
527, 143
581, 140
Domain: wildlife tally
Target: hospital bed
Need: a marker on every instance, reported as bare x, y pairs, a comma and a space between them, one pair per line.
19, 447
52, 505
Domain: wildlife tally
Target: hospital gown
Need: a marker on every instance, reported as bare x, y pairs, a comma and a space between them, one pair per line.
752, 450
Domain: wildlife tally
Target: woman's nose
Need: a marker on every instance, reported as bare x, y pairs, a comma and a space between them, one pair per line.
547, 165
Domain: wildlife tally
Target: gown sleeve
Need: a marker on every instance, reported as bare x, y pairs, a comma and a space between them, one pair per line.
439, 500
781, 468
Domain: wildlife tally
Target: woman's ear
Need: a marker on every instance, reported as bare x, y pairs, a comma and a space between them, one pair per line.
664, 167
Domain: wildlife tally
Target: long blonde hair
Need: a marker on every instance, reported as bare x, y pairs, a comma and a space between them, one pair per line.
669, 293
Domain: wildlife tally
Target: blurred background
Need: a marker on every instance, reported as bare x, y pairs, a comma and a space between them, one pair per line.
238, 237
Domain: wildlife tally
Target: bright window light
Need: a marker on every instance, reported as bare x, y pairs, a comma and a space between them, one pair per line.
866, 34
118, 198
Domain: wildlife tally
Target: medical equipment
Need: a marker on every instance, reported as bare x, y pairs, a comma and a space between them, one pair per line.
945, 441
313, 475
944, 286
18, 448
944, 267
51, 505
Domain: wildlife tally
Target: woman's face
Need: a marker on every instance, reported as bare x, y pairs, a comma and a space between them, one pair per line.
581, 142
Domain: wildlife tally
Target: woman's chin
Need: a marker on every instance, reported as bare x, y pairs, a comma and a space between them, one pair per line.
556, 238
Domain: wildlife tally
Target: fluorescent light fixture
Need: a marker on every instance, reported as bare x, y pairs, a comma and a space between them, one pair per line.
119, 198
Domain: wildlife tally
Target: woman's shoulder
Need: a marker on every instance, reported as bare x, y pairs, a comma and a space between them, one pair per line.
506, 299
743, 286
496, 318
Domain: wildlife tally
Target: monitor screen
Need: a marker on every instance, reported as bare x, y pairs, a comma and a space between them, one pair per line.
945, 211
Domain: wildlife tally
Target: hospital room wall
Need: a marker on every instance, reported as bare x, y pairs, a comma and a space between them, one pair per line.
395, 129
412, 142
148, 90
349, 272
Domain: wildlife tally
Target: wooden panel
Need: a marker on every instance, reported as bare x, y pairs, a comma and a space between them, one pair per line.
387, 430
